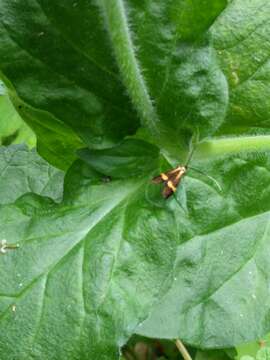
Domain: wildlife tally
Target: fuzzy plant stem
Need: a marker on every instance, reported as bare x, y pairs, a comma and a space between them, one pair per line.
115, 16
116, 20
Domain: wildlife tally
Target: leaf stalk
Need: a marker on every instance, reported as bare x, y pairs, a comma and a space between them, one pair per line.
182, 349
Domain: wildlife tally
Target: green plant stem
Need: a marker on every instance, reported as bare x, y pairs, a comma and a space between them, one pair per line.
116, 20
182, 349
227, 146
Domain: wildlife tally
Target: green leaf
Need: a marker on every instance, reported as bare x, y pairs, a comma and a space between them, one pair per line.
81, 279
115, 258
56, 142
184, 80
23, 171
12, 128
65, 82
72, 81
219, 296
195, 17
130, 158
109, 253
240, 37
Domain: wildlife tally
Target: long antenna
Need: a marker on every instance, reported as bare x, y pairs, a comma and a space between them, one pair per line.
193, 144
208, 176
190, 156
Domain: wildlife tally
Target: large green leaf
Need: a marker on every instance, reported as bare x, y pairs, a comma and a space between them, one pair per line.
220, 293
89, 270
69, 67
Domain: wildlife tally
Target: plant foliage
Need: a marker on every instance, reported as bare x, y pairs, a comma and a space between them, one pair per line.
117, 91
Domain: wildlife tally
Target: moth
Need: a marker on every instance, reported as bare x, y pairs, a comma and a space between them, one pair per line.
171, 179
